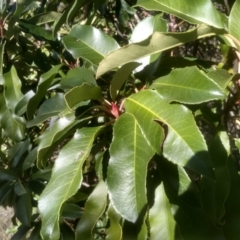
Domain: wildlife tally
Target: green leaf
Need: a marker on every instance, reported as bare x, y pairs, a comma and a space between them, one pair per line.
199, 11
94, 208
89, 43
2, 46
23, 208
71, 211
55, 132
12, 89
66, 178
44, 83
30, 159
234, 19
75, 7
156, 43
187, 85
184, 144
43, 18
161, 221
82, 93
115, 229
12, 125
120, 77
51, 107
21, 106
221, 77
7, 175
130, 153
76, 77
215, 193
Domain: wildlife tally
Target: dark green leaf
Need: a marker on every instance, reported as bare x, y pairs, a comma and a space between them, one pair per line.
21, 106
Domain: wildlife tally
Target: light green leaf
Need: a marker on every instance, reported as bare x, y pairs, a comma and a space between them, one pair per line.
82, 93
89, 43
66, 178
12, 89
94, 208
51, 107
199, 11
156, 43
161, 221
130, 153
44, 83
234, 20
115, 229
120, 77
187, 85
184, 144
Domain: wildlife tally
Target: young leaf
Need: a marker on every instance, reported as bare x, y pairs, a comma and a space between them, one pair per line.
130, 153
66, 178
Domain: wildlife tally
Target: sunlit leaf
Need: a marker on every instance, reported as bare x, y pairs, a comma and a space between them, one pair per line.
66, 178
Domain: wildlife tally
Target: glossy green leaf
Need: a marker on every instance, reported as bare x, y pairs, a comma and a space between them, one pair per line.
199, 11
21, 106
76, 77
75, 7
156, 43
51, 107
56, 131
161, 221
234, 19
89, 43
94, 208
184, 144
66, 178
12, 89
30, 159
82, 93
130, 153
120, 77
44, 83
115, 229
187, 85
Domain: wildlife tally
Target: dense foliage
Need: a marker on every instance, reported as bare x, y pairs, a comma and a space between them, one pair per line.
119, 119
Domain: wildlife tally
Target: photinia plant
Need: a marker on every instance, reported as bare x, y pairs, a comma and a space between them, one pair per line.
109, 130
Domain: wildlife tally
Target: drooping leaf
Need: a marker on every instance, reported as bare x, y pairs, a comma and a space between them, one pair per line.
115, 230
201, 11
184, 144
156, 43
94, 208
89, 43
51, 107
129, 155
44, 83
82, 93
66, 178
120, 77
161, 221
234, 19
187, 85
